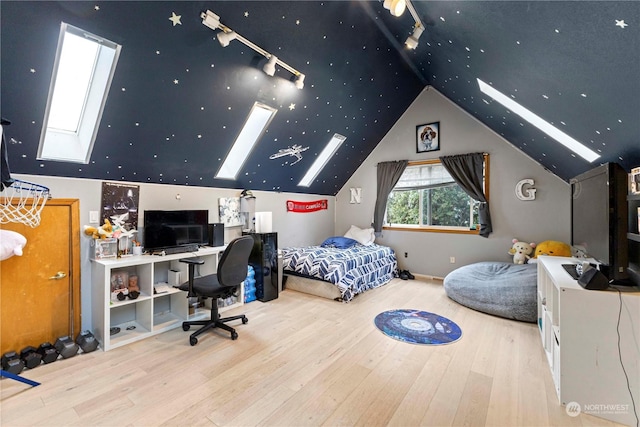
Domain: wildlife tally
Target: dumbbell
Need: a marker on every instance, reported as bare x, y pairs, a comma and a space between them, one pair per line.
12, 363
30, 357
87, 341
66, 347
48, 352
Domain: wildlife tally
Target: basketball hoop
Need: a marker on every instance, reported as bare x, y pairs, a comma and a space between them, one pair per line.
22, 202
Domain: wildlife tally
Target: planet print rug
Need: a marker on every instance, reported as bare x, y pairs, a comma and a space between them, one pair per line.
418, 327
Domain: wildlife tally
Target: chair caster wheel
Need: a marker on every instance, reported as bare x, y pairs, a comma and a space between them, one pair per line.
185, 327
193, 341
244, 320
234, 336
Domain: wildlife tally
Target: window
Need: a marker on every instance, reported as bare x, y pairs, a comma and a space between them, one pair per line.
317, 166
257, 122
82, 75
426, 198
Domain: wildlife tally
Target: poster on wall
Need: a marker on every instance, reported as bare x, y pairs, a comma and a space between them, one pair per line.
304, 207
229, 210
118, 199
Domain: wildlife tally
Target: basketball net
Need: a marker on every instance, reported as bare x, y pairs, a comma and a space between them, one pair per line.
22, 202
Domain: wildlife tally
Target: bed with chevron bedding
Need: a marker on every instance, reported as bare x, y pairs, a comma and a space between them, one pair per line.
338, 272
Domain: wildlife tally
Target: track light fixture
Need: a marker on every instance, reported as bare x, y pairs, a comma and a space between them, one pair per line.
412, 40
270, 67
227, 35
396, 7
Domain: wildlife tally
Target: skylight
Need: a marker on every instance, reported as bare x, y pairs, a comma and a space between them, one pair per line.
82, 74
322, 159
540, 123
259, 118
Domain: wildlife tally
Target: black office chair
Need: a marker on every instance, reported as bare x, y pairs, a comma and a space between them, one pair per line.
232, 270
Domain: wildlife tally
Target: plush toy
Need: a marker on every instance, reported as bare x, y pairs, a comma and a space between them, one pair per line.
12, 244
521, 251
552, 248
105, 231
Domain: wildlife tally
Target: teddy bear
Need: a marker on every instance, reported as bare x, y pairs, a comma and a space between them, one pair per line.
521, 251
552, 248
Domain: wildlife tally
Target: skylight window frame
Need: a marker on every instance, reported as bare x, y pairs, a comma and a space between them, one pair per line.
321, 161
245, 141
77, 146
537, 121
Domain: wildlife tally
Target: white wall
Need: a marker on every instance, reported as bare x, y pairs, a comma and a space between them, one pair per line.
546, 218
294, 229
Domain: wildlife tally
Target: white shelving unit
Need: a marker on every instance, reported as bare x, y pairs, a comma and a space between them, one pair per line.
579, 331
150, 313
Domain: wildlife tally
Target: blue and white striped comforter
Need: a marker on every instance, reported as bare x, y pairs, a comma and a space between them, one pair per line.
352, 270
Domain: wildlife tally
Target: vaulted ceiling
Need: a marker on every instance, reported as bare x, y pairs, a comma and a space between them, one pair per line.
179, 99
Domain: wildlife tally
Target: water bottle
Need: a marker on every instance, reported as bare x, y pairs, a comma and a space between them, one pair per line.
250, 285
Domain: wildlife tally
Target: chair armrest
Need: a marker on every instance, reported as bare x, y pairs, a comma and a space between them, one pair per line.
193, 261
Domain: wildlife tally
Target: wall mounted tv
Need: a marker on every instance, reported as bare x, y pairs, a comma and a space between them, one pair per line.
183, 229
599, 218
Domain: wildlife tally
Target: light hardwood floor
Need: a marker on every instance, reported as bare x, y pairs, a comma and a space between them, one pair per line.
305, 361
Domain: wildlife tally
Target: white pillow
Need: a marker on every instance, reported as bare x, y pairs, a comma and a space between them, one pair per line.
11, 244
362, 236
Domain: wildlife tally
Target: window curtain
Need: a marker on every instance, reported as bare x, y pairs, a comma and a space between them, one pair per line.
388, 175
467, 171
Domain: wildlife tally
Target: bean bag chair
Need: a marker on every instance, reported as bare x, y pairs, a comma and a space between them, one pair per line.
499, 288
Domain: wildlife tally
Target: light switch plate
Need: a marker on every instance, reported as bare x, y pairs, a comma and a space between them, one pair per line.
94, 217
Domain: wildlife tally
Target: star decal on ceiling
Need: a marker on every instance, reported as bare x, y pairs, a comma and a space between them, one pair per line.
175, 19
620, 23
175, 81
246, 14
292, 106
96, 7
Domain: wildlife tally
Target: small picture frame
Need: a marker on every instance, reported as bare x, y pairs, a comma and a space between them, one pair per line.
428, 137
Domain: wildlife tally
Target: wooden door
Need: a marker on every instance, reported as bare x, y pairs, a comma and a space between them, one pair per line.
40, 290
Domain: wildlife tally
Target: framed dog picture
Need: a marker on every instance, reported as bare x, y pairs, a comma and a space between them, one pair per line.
428, 137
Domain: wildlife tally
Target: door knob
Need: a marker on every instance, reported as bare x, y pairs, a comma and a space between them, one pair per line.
59, 275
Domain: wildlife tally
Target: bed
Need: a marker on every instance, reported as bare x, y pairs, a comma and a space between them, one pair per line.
338, 272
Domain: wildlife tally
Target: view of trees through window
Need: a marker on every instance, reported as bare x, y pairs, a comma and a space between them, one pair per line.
426, 195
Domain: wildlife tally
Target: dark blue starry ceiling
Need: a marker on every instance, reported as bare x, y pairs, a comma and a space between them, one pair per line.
179, 99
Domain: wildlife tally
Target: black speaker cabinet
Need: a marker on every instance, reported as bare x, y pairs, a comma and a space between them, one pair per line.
264, 260
216, 234
593, 280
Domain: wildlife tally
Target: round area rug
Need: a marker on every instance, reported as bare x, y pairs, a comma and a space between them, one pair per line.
417, 327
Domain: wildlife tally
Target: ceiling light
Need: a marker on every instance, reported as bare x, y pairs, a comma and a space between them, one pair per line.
259, 118
322, 160
226, 35
396, 7
226, 38
540, 123
412, 40
270, 67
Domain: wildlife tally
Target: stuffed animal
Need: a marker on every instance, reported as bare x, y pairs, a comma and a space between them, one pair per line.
12, 244
552, 248
521, 251
105, 231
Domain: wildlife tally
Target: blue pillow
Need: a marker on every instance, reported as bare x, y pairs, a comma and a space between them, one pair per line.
339, 242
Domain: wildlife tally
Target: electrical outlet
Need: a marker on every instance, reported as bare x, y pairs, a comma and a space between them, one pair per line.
452, 259
406, 254
94, 217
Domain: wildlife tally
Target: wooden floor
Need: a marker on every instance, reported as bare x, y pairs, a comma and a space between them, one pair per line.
305, 361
